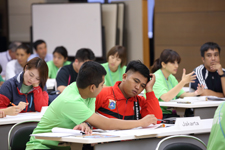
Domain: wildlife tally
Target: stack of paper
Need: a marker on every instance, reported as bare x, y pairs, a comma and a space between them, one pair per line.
215, 98
60, 132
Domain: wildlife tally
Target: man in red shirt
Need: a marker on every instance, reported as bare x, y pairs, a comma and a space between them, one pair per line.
122, 100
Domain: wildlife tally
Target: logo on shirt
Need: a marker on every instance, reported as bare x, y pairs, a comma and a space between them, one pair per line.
112, 104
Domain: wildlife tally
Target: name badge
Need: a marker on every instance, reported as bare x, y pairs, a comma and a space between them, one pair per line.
188, 123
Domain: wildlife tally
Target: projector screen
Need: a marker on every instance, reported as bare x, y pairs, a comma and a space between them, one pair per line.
72, 25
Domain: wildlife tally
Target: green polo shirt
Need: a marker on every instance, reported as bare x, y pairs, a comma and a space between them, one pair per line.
162, 86
66, 111
53, 70
217, 134
112, 77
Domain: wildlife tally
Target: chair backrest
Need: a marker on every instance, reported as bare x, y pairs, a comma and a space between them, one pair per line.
18, 139
181, 145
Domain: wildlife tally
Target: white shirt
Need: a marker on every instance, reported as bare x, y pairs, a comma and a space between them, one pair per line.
4, 59
48, 57
12, 68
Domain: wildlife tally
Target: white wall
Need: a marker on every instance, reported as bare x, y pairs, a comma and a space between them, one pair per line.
20, 22
133, 28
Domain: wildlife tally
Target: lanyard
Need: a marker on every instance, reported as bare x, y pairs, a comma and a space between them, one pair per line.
168, 84
112, 83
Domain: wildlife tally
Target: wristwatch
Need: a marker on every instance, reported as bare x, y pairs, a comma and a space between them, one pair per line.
223, 75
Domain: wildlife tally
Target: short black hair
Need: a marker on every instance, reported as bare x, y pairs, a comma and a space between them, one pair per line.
38, 42
137, 65
25, 47
209, 45
90, 73
61, 50
84, 54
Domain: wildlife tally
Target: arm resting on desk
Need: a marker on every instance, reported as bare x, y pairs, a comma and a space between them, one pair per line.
208, 92
117, 124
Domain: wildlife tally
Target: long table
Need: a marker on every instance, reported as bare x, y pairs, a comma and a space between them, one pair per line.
204, 109
135, 139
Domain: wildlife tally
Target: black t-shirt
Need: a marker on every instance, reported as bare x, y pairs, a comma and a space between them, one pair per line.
66, 75
211, 80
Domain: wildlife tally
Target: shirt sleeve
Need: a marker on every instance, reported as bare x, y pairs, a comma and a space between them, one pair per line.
40, 98
5, 95
159, 87
62, 77
175, 82
10, 67
150, 105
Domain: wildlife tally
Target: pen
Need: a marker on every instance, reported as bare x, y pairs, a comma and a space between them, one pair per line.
160, 120
183, 102
12, 104
82, 132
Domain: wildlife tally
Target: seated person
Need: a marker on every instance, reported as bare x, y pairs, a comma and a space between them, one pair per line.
41, 51
217, 134
115, 66
60, 57
166, 87
68, 74
1, 79
25, 92
76, 105
210, 73
122, 100
16, 66
8, 55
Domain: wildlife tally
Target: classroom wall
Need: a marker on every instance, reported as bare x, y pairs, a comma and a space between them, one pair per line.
20, 18
133, 29
185, 25
20, 22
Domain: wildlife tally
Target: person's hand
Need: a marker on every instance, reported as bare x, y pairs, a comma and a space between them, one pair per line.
36, 84
187, 78
83, 127
149, 85
217, 67
2, 114
147, 120
200, 89
22, 105
12, 110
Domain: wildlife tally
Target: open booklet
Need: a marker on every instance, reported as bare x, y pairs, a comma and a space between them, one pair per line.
63, 132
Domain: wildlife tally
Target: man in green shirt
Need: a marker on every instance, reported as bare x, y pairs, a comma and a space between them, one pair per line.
217, 135
77, 105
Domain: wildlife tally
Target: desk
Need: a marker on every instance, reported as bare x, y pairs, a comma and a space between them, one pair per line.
138, 139
204, 109
7, 122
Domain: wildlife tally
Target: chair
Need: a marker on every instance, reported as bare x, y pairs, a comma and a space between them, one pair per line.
18, 140
181, 145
